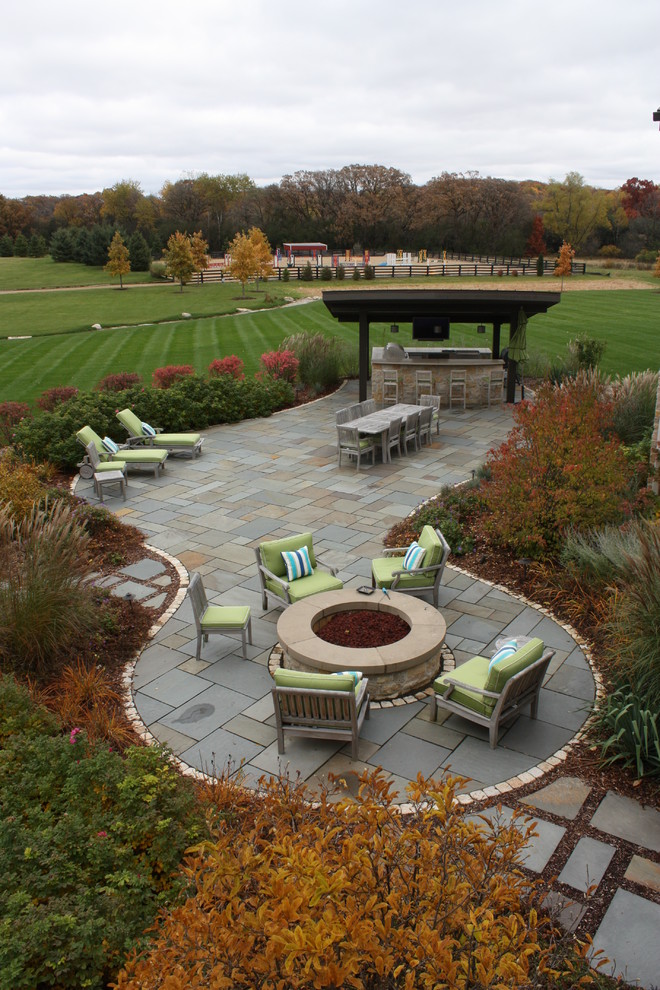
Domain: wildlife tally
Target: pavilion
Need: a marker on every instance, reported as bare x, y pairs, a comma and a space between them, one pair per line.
480, 306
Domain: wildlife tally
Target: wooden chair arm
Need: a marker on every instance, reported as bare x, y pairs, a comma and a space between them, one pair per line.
454, 683
274, 577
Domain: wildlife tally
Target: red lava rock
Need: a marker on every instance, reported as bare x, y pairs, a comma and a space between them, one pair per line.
363, 629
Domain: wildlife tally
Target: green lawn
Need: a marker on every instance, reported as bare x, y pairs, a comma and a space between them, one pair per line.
628, 320
44, 273
75, 310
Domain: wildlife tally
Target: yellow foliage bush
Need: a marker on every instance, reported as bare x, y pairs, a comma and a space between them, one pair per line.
346, 894
22, 484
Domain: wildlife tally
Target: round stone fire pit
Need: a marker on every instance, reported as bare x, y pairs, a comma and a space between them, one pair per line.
394, 670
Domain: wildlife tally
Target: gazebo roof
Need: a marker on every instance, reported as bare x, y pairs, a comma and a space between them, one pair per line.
461, 305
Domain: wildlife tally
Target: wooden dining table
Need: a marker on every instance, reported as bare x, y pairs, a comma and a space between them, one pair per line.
378, 423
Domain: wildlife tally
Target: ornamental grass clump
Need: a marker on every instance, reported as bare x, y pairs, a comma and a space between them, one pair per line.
45, 600
320, 358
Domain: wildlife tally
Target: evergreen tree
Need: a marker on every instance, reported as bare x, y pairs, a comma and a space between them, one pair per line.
61, 245
37, 247
21, 246
100, 239
119, 262
81, 244
6, 247
140, 252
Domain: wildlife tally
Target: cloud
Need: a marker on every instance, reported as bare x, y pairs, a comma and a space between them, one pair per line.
91, 95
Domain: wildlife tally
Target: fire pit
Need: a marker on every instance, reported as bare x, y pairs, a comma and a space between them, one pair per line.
393, 669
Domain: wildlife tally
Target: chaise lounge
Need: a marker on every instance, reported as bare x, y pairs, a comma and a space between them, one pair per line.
142, 435
154, 459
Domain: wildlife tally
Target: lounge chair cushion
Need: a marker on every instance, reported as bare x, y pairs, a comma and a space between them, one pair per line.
142, 456
136, 428
315, 682
271, 552
315, 584
428, 539
501, 672
297, 563
476, 673
383, 569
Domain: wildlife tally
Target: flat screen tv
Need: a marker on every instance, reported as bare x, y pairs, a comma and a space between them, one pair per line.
430, 328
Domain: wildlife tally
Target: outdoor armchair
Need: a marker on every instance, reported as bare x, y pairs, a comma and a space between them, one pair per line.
492, 692
325, 706
220, 619
142, 435
275, 580
154, 459
390, 572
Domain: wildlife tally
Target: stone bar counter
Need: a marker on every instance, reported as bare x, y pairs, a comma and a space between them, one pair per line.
477, 362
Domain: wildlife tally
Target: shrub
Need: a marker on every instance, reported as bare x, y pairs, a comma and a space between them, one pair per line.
369, 273
22, 485
320, 358
540, 266
87, 850
341, 273
326, 274
586, 352
158, 269
646, 257
171, 373
285, 275
119, 382
356, 274
11, 414
44, 598
21, 246
280, 364
6, 246
307, 273
231, 365
56, 396
555, 470
629, 731
610, 251
599, 555
348, 894
452, 512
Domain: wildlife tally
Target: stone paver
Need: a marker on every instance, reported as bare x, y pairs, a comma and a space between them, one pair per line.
564, 796
586, 865
628, 936
629, 820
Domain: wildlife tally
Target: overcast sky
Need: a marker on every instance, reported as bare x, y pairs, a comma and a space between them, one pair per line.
92, 93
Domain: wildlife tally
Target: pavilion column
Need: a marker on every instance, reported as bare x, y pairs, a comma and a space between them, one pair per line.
363, 346
511, 367
497, 325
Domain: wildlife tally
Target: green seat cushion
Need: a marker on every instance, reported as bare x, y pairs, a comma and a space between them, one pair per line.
428, 539
473, 673
109, 466
271, 552
502, 671
304, 587
383, 569
316, 682
225, 617
142, 456
87, 435
178, 439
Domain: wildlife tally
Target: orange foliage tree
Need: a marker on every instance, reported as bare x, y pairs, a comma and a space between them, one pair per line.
347, 894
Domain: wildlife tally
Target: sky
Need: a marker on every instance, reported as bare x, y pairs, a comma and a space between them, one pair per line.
93, 93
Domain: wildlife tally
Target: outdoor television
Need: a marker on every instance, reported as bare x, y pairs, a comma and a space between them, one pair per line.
430, 328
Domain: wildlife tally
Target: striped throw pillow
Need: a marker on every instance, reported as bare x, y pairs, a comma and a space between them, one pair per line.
148, 430
414, 557
297, 563
505, 651
110, 445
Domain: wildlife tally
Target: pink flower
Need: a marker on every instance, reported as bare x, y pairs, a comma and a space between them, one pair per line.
102, 834
72, 737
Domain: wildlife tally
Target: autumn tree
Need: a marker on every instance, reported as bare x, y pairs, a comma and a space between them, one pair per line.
119, 262
536, 241
263, 253
243, 259
178, 258
199, 248
564, 266
120, 202
574, 211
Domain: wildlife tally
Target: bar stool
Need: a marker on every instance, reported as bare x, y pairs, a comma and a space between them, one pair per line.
423, 385
494, 386
390, 386
457, 387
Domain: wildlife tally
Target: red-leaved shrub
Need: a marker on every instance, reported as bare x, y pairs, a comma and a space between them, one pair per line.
56, 396
231, 365
119, 382
281, 364
171, 373
11, 413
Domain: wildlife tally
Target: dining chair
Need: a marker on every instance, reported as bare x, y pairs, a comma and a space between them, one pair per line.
425, 423
394, 436
410, 431
349, 442
367, 407
434, 402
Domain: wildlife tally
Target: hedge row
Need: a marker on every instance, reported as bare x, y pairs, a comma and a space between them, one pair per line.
194, 403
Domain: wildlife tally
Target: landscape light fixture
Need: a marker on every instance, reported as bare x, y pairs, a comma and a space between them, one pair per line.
481, 328
394, 328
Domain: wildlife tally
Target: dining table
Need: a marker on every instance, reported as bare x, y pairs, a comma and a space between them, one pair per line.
378, 423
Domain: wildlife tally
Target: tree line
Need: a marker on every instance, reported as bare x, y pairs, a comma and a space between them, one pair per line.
372, 207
